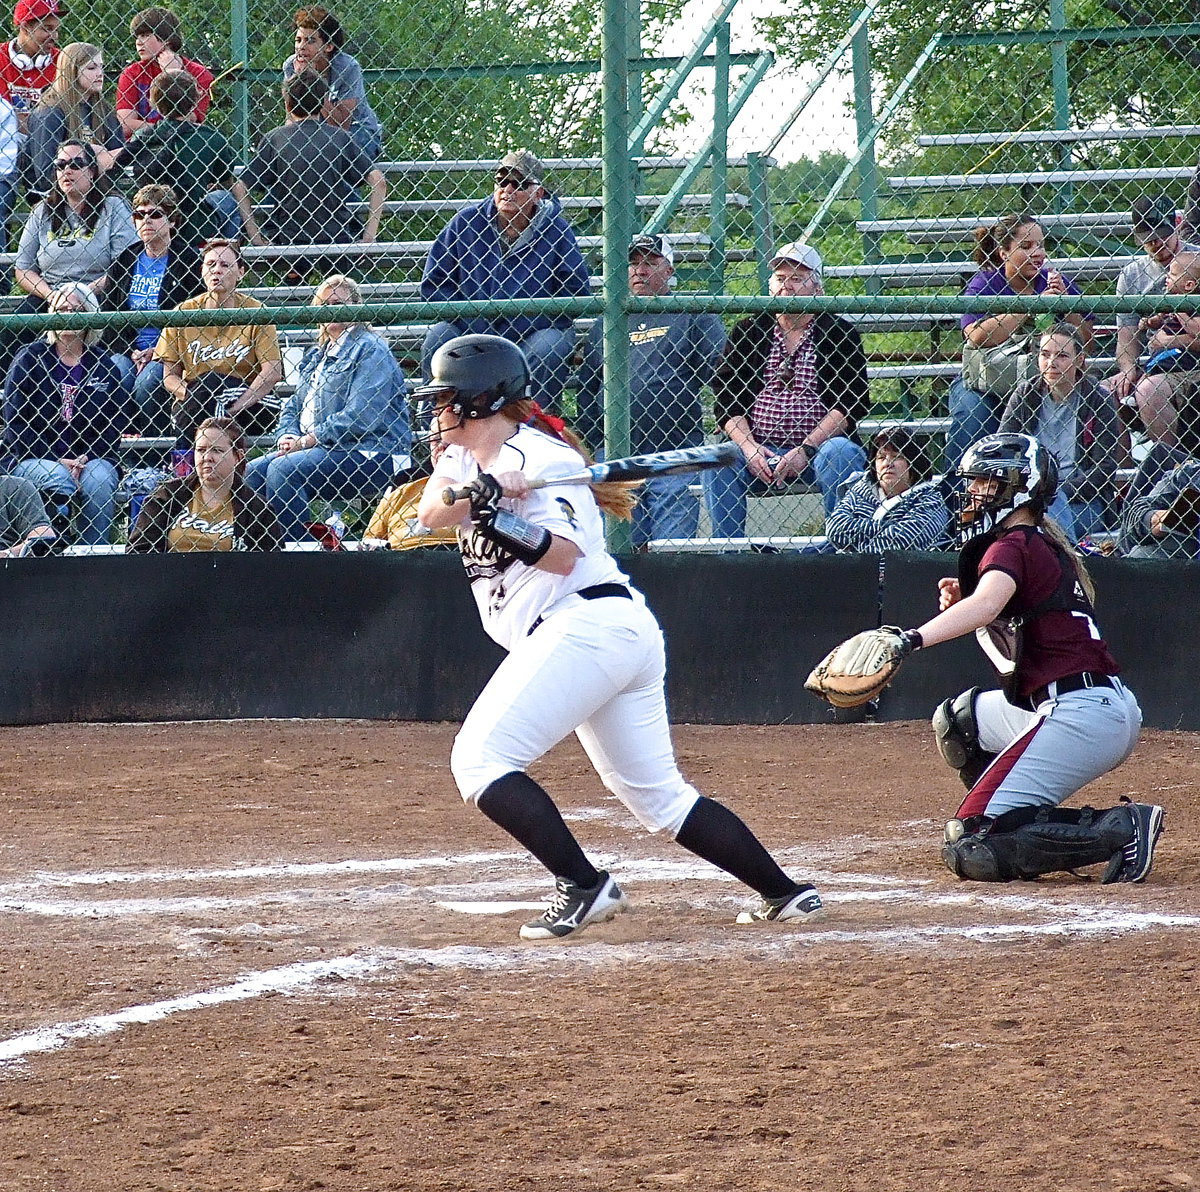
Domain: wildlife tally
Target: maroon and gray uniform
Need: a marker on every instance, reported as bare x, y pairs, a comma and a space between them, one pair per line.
1069, 718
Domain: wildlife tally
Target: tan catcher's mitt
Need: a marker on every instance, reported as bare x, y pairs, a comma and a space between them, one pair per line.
861, 667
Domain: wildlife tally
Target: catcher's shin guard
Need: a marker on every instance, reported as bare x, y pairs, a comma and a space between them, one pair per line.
1029, 841
957, 734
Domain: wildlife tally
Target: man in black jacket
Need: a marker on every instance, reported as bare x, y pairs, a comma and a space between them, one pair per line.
788, 391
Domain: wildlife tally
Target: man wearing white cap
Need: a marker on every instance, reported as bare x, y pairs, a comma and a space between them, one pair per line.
671, 359
788, 391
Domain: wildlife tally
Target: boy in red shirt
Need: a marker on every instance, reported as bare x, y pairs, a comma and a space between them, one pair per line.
27, 63
156, 33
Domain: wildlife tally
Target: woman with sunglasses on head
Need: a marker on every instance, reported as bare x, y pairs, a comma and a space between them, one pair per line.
74, 108
210, 509
344, 432
65, 409
158, 272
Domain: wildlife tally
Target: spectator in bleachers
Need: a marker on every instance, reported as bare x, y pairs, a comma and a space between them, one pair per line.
195, 160
1162, 508
157, 272
345, 431
319, 39
395, 526
671, 359
1073, 416
210, 509
789, 390
10, 162
895, 505
24, 523
74, 234
65, 409
232, 367
27, 62
74, 109
516, 244
311, 171
1011, 255
1153, 221
1171, 378
157, 34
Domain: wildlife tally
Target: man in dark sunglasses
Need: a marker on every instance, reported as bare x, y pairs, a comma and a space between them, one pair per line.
514, 244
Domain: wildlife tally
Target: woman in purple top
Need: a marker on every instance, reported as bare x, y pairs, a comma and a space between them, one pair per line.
1011, 255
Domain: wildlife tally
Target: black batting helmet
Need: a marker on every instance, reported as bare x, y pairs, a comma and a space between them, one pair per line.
478, 374
1025, 472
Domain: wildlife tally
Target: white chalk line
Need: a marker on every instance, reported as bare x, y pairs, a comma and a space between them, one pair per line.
112, 877
303, 976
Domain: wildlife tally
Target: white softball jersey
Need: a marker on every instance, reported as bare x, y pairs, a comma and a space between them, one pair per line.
594, 667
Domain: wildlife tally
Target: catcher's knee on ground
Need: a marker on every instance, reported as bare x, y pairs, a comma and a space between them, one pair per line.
957, 732
1030, 841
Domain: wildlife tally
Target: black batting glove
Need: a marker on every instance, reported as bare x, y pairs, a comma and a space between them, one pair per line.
484, 493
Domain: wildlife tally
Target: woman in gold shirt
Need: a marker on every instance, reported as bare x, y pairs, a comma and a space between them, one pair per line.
212, 509
237, 365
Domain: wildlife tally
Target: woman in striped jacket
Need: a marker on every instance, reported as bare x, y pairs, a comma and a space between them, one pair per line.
893, 505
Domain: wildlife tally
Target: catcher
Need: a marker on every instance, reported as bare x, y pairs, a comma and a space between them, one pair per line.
1062, 717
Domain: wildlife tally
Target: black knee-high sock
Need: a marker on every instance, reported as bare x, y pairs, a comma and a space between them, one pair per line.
715, 833
526, 812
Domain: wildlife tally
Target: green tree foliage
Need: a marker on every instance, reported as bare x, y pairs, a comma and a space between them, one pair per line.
555, 115
993, 88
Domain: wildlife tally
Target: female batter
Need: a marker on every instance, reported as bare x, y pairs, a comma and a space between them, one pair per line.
1063, 717
585, 653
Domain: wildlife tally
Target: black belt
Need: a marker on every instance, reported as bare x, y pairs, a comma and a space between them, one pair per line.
595, 592
1067, 683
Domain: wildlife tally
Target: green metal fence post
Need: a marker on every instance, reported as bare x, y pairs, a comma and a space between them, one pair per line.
720, 163
239, 30
757, 166
1061, 82
864, 120
618, 230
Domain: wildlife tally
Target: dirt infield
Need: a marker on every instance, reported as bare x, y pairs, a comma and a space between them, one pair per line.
277, 956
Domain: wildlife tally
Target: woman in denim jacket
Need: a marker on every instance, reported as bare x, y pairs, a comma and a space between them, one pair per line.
344, 432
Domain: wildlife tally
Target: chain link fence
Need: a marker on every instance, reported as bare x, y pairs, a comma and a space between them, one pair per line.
852, 242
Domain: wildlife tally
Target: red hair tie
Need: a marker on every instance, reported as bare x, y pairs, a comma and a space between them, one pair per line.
557, 425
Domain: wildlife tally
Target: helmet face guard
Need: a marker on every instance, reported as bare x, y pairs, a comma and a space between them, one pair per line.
476, 376
1023, 473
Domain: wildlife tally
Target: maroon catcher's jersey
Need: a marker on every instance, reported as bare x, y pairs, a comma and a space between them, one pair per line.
1060, 640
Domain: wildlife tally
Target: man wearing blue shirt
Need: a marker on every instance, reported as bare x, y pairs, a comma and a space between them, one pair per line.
515, 244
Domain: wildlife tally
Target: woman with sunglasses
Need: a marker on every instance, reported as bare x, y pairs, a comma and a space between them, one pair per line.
73, 108
74, 234
157, 272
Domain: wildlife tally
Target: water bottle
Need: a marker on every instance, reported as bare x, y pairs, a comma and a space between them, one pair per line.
336, 524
